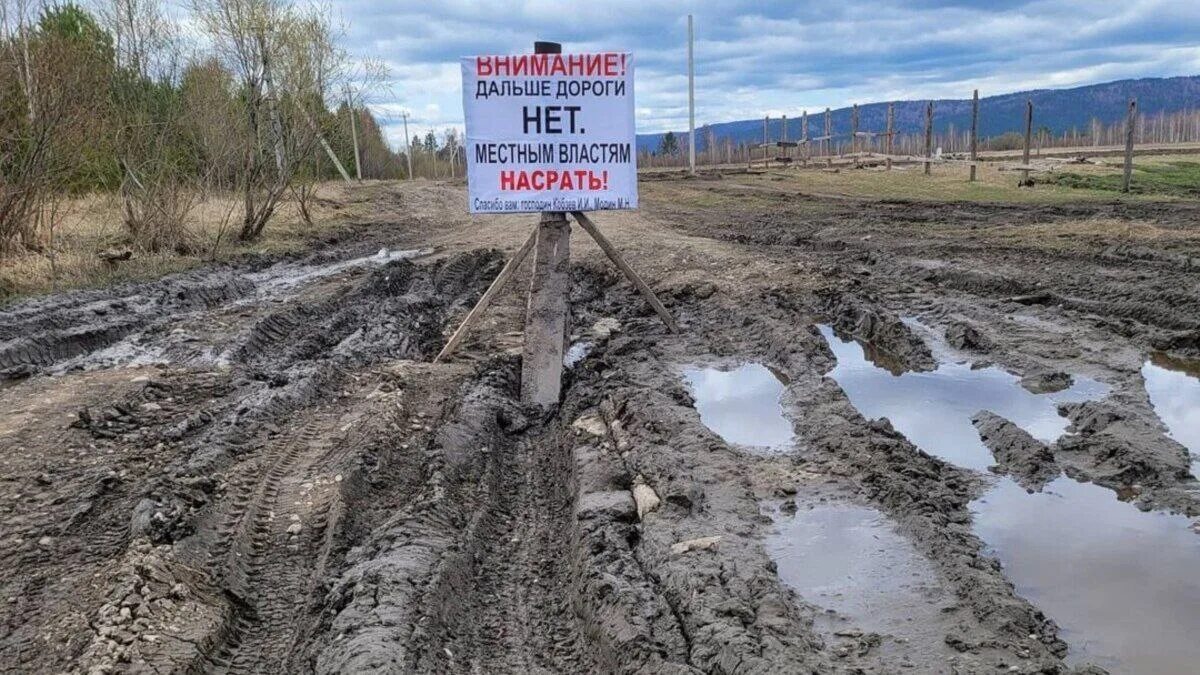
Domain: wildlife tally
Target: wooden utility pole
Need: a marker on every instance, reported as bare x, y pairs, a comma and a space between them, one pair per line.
891, 133
691, 101
928, 137
407, 145
974, 132
1130, 125
354, 135
546, 312
1028, 141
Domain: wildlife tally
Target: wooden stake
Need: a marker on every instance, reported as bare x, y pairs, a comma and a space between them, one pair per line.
891, 133
619, 261
1028, 141
546, 312
854, 132
828, 138
974, 132
804, 136
766, 139
1130, 124
498, 283
928, 136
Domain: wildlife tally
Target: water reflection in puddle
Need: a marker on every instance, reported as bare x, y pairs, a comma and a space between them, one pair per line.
1174, 389
741, 404
576, 353
934, 409
851, 560
1121, 583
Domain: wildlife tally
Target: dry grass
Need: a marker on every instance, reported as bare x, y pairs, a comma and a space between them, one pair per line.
947, 182
1095, 232
93, 224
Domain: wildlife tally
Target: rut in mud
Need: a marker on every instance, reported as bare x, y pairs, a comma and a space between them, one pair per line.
256, 467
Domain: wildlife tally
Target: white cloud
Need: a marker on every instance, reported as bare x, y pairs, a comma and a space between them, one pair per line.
777, 57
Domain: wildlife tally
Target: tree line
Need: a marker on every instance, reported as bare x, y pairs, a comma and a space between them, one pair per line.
246, 97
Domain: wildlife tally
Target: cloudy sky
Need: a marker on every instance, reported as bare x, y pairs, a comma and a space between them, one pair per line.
776, 57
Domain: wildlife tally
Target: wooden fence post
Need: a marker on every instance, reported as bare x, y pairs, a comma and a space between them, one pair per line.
974, 132
1130, 124
928, 137
828, 138
854, 133
804, 138
766, 136
1028, 139
783, 151
546, 312
891, 130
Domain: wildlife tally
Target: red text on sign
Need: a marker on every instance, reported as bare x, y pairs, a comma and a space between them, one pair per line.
549, 179
608, 64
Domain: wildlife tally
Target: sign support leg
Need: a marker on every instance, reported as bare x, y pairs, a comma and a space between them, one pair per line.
498, 283
643, 288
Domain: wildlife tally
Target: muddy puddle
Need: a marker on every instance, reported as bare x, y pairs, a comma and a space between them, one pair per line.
850, 561
283, 277
741, 405
1121, 583
1174, 389
276, 284
934, 409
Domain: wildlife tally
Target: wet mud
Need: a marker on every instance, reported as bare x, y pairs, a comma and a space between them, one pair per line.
257, 468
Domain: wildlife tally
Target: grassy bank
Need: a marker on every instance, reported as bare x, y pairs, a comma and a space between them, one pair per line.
1172, 179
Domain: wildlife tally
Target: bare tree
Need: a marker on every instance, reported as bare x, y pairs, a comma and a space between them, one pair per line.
287, 64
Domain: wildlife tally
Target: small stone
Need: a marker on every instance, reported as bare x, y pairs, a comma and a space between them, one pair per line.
606, 504
294, 528
151, 406
45, 541
337, 478
590, 424
698, 544
644, 497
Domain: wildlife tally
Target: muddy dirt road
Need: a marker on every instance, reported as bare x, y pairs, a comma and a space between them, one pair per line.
257, 468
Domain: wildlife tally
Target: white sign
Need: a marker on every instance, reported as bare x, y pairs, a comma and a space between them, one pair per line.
550, 132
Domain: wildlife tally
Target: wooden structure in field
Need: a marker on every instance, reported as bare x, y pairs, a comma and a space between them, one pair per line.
868, 148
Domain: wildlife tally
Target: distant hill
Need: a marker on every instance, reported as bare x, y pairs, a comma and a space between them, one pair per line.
1058, 109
